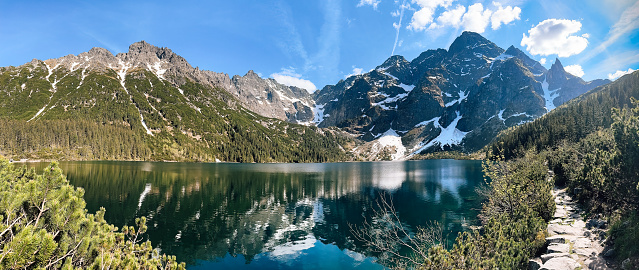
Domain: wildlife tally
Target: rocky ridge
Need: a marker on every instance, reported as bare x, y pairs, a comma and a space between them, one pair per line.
455, 99
265, 97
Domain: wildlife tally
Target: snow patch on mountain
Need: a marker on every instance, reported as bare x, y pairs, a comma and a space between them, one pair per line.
449, 135
318, 114
549, 95
390, 139
462, 96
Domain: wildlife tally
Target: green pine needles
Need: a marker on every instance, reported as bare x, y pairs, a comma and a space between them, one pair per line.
44, 225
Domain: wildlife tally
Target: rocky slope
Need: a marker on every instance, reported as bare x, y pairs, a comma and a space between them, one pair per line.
456, 99
179, 112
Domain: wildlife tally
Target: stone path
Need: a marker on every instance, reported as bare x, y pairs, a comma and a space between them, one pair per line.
573, 243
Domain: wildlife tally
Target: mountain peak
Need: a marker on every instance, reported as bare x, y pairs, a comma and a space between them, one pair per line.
512, 50
251, 74
557, 65
395, 60
97, 51
468, 40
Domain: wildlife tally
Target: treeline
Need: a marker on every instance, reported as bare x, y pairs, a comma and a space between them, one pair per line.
239, 141
75, 140
44, 225
570, 122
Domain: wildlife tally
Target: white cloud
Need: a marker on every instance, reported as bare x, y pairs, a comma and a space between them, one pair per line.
424, 16
542, 61
554, 36
290, 78
372, 3
356, 71
504, 15
452, 17
619, 73
575, 70
476, 19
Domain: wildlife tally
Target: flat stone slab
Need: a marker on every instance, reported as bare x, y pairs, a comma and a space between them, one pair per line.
547, 257
554, 229
581, 243
560, 239
579, 224
559, 248
561, 263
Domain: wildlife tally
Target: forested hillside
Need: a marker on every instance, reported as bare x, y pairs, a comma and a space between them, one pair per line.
142, 105
592, 146
571, 122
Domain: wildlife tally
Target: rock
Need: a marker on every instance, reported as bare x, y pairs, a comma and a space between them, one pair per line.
586, 252
560, 263
559, 248
547, 257
558, 220
582, 243
560, 213
597, 263
626, 264
564, 229
609, 253
580, 224
560, 239
534, 264
596, 223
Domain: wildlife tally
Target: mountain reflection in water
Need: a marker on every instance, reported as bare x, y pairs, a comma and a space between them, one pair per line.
275, 215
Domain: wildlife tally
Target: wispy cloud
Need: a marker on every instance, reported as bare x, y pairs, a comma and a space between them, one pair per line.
398, 26
618, 61
325, 60
555, 36
628, 22
372, 3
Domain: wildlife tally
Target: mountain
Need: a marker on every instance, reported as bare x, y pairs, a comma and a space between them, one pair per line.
150, 103
455, 99
572, 122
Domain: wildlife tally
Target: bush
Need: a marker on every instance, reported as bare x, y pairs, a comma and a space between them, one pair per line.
44, 224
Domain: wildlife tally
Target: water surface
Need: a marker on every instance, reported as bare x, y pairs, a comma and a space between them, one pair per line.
275, 216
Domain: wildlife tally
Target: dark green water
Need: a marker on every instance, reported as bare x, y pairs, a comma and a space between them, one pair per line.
275, 216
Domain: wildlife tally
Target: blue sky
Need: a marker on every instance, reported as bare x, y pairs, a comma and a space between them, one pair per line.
311, 43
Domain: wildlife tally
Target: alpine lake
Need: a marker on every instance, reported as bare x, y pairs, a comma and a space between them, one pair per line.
276, 216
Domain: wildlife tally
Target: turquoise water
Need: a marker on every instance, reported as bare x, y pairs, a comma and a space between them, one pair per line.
276, 216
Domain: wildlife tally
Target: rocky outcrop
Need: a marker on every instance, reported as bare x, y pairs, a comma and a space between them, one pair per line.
573, 243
